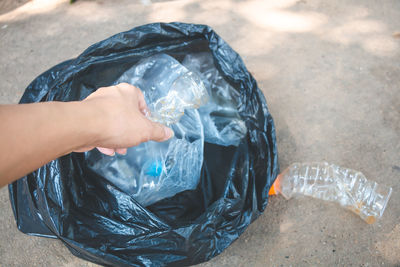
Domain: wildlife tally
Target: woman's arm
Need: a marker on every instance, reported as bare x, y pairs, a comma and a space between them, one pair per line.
111, 118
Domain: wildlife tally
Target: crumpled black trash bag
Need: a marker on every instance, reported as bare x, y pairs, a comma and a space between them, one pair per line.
64, 199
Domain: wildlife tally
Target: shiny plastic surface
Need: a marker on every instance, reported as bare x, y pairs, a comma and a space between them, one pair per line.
220, 115
68, 200
330, 182
153, 171
168, 87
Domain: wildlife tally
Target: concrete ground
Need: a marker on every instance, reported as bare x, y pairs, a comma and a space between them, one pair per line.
330, 71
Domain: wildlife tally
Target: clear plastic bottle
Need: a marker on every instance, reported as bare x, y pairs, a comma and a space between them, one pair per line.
222, 122
153, 171
330, 182
168, 87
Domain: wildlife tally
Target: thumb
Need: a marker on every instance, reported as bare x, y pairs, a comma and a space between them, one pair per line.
159, 132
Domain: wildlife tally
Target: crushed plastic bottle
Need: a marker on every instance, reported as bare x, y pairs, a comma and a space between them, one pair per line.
197, 103
169, 88
220, 116
153, 171
330, 182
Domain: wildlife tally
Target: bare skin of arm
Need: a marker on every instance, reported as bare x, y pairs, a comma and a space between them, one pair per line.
112, 118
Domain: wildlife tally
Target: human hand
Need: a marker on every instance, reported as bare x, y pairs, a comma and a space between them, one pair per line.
119, 121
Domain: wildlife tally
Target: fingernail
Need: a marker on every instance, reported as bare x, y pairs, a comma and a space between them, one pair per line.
107, 151
121, 151
168, 133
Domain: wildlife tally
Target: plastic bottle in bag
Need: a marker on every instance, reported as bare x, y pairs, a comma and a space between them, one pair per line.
168, 87
330, 182
220, 116
153, 171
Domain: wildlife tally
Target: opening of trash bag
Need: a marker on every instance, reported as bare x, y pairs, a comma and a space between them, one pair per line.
98, 217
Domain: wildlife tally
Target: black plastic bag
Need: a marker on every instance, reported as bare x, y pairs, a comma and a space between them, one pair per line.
64, 199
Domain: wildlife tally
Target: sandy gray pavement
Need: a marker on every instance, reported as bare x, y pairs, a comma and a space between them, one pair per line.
330, 71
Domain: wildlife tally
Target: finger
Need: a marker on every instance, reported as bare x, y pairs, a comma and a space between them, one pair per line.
158, 132
126, 86
139, 94
107, 151
142, 103
121, 151
100, 91
83, 149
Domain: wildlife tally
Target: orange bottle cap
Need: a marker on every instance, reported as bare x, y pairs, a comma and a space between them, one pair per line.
272, 190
